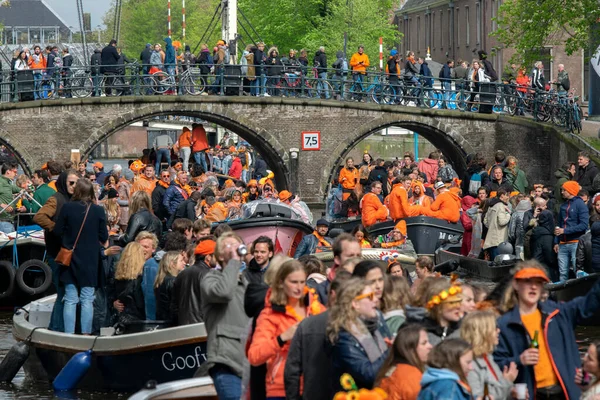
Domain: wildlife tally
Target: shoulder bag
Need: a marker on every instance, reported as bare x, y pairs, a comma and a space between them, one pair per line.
64, 255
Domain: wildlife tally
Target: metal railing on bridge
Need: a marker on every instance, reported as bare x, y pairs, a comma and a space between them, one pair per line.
561, 109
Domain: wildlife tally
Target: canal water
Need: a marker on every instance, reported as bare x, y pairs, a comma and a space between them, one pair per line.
21, 389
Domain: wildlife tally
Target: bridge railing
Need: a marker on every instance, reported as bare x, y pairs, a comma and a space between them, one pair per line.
134, 79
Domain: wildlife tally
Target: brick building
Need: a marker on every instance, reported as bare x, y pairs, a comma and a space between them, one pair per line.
458, 29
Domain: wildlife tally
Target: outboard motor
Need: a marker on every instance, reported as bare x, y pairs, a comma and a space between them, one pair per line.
505, 253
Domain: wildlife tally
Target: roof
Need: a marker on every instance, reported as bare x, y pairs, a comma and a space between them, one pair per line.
411, 5
30, 13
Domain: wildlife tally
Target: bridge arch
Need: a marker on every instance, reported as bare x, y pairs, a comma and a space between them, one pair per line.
266, 144
21, 157
450, 142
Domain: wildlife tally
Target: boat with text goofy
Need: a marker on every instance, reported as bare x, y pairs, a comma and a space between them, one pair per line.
120, 362
284, 224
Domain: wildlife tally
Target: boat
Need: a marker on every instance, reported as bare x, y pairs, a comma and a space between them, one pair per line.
345, 224
405, 254
275, 220
119, 362
194, 388
572, 288
474, 267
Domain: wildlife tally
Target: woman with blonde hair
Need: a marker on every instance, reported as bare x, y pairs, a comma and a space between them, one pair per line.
170, 266
550, 364
112, 210
287, 304
479, 329
128, 284
401, 373
358, 333
141, 218
396, 296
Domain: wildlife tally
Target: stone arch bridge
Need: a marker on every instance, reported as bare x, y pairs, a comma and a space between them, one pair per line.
41, 130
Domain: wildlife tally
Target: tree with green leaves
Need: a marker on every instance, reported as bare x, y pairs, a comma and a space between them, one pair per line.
529, 25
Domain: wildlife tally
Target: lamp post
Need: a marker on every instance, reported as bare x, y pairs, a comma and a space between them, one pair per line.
99, 29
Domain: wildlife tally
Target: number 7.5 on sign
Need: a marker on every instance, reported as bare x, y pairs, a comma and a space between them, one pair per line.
311, 141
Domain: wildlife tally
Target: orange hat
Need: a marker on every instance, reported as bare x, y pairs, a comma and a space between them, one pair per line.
176, 44
98, 164
572, 187
221, 43
137, 166
229, 183
284, 195
205, 248
252, 182
45, 166
531, 273
232, 149
401, 227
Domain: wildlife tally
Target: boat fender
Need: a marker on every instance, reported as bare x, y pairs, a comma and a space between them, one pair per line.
7, 279
446, 267
68, 378
13, 361
38, 266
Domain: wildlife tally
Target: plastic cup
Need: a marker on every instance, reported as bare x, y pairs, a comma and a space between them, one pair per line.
521, 389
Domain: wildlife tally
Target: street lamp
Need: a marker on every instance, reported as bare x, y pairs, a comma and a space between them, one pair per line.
98, 28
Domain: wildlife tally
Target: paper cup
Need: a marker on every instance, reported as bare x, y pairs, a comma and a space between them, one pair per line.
521, 389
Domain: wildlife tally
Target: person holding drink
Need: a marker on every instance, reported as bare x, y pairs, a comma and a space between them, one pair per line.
538, 336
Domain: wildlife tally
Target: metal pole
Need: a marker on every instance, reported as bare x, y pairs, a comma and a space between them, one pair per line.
169, 17
183, 21
416, 145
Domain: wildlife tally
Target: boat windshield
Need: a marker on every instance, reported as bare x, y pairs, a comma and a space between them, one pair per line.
270, 208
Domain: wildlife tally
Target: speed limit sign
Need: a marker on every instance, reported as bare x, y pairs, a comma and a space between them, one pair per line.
311, 140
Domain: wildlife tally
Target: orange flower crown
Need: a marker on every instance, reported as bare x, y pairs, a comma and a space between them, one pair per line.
353, 393
447, 295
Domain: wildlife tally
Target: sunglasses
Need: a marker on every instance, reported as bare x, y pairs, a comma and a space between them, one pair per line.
370, 296
72, 183
166, 176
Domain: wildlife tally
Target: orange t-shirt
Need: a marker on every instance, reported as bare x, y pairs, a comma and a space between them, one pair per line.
185, 139
544, 374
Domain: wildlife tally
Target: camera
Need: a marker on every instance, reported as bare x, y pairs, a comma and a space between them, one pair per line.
242, 250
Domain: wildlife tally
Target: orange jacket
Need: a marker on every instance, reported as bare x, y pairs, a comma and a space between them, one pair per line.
416, 205
446, 206
373, 210
185, 139
145, 184
398, 202
403, 383
356, 65
348, 178
199, 139
218, 212
40, 65
273, 320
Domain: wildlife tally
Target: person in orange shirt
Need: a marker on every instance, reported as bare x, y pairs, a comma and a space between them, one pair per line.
359, 63
401, 373
200, 145
397, 201
185, 147
419, 198
397, 236
373, 210
446, 205
146, 182
348, 178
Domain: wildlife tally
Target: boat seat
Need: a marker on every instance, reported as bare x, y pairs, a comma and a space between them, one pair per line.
271, 210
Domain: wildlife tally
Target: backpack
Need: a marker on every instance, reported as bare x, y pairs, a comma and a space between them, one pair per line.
338, 202
345, 68
566, 84
210, 60
475, 183
227, 56
58, 62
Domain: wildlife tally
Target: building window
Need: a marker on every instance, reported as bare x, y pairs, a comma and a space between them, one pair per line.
478, 17
545, 56
449, 27
431, 34
457, 25
418, 49
467, 28
585, 96
441, 30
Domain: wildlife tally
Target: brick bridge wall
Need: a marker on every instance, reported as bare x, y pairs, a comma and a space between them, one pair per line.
38, 131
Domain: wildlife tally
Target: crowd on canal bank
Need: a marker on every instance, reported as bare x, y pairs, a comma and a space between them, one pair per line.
130, 244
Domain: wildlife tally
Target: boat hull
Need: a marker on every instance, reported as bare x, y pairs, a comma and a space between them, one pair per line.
285, 233
121, 363
474, 267
573, 288
406, 255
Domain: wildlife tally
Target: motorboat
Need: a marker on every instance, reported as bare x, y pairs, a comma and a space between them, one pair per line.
119, 362
281, 223
405, 254
194, 388
474, 267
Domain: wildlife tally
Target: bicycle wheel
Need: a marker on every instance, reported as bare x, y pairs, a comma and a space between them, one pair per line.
160, 82
577, 114
347, 90
82, 86
193, 84
430, 99
382, 94
511, 103
119, 85
559, 115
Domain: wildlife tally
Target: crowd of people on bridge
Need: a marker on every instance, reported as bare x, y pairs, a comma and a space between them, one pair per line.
149, 246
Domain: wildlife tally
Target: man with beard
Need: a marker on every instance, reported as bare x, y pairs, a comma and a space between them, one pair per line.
262, 250
310, 243
186, 290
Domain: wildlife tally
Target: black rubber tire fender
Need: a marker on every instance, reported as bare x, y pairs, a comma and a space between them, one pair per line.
32, 291
7, 274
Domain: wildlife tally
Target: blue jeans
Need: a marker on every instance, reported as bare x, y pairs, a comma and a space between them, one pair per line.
85, 296
227, 385
148, 278
96, 81
200, 158
447, 86
262, 84
566, 259
160, 154
57, 323
322, 85
37, 85
358, 86
6, 227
